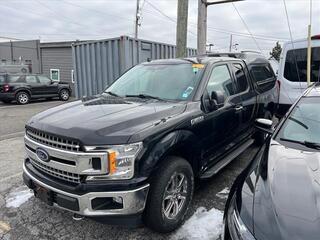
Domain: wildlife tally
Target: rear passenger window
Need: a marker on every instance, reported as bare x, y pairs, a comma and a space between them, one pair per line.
297, 59
242, 82
220, 80
31, 79
16, 79
261, 73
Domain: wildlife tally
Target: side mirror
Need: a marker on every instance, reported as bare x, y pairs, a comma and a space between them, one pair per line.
264, 125
217, 99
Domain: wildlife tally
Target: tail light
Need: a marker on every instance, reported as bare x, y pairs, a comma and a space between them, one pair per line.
278, 85
316, 37
6, 88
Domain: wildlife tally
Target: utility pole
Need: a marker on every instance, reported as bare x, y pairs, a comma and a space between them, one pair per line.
230, 46
309, 49
137, 22
202, 21
202, 27
182, 28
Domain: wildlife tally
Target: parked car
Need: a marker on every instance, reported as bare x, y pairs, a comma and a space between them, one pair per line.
292, 73
276, 196
23, 88
134, 151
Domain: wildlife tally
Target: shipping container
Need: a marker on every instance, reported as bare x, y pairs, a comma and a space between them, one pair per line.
97, 64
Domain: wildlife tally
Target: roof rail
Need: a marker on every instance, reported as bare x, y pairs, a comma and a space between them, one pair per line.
251, 51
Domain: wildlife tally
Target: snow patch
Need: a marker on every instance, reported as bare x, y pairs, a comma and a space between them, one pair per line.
223, 194
17, 197
203, 225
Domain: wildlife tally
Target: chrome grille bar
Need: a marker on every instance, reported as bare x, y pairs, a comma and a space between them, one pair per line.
67, 176
53, 141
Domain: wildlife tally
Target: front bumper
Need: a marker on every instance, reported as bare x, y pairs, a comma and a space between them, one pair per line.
133, 201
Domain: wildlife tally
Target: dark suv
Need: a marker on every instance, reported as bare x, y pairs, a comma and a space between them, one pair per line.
23, 88
135, 150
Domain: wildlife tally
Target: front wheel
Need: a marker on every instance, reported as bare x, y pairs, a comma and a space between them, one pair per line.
170, 195
64, 95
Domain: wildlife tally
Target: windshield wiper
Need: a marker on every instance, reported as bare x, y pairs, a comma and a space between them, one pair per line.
145, 96
112, 94
305, 143
298, 122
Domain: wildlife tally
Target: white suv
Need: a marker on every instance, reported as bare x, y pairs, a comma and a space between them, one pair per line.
293, 57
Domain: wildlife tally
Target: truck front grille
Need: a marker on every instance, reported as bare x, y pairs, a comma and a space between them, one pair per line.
67, 176
53, 141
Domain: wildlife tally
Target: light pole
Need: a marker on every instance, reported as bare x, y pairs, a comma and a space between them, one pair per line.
202, 21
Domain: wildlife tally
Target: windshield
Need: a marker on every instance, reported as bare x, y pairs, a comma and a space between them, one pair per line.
169, 81
303, 123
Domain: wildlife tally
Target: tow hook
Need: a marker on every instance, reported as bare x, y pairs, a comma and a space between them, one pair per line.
77, 217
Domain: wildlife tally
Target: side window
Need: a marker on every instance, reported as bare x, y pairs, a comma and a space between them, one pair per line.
242, 82
220, 80
261, 73
44, 80
31, 79
16, 79
295, 69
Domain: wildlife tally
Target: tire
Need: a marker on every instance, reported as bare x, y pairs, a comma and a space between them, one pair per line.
22, 98
64, 94
6, 101
259, 136
161, 196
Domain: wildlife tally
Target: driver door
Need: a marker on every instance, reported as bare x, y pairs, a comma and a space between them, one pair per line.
222, 124
47, 87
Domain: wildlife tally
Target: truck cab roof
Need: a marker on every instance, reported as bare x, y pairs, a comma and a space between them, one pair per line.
248, 57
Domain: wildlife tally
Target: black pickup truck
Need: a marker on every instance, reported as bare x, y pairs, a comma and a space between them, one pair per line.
133, 153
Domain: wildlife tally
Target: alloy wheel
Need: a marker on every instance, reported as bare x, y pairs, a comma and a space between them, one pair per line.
23, 98
64, 95
175, 195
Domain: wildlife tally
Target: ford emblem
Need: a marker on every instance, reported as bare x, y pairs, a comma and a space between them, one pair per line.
42, 155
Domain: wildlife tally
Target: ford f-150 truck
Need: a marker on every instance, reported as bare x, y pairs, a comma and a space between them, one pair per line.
134, 152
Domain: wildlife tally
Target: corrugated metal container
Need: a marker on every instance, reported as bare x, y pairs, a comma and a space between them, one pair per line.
97, 64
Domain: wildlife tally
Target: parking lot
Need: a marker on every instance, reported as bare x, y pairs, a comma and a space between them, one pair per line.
24, 217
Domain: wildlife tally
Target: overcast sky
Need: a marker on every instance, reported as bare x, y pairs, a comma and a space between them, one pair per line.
56, 20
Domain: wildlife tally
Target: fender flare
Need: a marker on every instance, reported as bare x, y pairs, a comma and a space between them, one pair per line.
22, 90
183, 141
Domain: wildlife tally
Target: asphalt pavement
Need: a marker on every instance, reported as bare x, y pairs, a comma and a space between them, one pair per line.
32, 219
13, 117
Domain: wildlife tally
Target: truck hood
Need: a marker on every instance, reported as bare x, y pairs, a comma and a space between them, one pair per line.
104, 120
289, 202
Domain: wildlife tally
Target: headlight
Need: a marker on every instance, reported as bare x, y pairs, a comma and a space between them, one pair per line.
237, 229
120, 161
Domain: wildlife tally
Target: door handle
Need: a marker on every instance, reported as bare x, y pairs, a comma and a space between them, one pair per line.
238, 108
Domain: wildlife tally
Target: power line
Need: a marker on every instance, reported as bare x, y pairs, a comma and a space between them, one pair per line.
97, 11
59, 14
293, 48
166, 16
247, 27
262, 37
